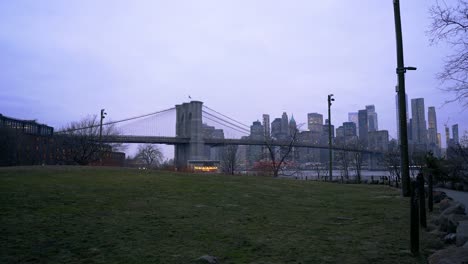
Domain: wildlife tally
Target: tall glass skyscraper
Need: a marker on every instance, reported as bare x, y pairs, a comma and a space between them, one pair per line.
418, 117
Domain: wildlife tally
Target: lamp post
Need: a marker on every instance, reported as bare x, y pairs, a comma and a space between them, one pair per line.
103, 115
401, 70
330, 168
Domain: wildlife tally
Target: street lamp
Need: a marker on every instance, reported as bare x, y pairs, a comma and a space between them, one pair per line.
103, 115
401, 93
330, 168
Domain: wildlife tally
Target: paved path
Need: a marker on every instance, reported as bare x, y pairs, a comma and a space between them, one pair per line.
457, 195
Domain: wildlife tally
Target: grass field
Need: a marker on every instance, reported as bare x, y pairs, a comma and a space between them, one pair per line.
105, 215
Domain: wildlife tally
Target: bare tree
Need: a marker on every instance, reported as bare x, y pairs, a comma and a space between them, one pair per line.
356, 158
279, 155
450, 25
150, 154
392, 161
229, 159
80, 140
456, 164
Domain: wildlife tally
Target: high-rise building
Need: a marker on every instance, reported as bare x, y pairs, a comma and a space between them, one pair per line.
455, 134
432, 131
340, 132
325, 130
398, 116
256, 133
213, 153
285, 124
447, 136
349, 129
378, 140
439, 140
363, 127
419, 137
266, 125
276, 128
353, 117
292, 126
315, 122
372, 122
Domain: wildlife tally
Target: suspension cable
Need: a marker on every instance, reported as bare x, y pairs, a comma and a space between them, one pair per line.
226, 122
238, 130
240, 123
115, 122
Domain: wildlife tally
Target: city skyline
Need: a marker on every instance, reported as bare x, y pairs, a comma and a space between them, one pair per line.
62, 62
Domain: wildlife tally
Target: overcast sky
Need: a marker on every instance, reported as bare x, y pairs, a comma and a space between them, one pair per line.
63, 60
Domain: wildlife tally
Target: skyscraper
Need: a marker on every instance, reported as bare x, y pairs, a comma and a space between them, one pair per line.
419, 134
363, 126
315, 122
257, 133
292, 126
349, 129
372, 122
432, 131
398, 116
455, 134
353, 117
266, 125
447, 136
285, 124
276, 128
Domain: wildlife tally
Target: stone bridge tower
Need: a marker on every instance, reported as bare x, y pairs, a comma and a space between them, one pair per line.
189, 125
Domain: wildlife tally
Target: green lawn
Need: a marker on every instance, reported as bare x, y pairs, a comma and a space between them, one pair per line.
106, 215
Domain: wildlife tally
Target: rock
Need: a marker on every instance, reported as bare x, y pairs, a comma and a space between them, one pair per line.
450, 238
438, 196
444, 204
455, 255
449, 223
207, 259
462, 233
466, 245
456, 208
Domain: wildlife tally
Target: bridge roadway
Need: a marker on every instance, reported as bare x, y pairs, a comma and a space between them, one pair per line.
220, 142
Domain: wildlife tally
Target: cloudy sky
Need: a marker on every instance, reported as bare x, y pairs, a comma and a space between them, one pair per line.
63, 60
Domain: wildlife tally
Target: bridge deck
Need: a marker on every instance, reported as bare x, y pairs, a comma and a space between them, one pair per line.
220, 142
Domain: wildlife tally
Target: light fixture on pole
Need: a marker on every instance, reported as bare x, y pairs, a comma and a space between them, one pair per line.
330, 163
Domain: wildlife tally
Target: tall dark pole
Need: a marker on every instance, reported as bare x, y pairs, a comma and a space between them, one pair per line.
330, 168
100, 135
404, 159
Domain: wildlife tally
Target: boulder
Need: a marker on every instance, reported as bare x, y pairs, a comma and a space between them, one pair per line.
207, 259
455, 255
438, 196
449, 223
450, 238
462, 233
455, 208
444, 204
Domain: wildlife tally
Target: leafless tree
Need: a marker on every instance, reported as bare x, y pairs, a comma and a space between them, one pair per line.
457, 161
343, 160
450, 25
279, 155
229, 159
391, 159
150, 154
356, 158
81, 140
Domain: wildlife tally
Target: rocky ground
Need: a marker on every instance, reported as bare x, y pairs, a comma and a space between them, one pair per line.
450, 224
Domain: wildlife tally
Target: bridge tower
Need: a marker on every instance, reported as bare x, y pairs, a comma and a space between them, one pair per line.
189, 125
